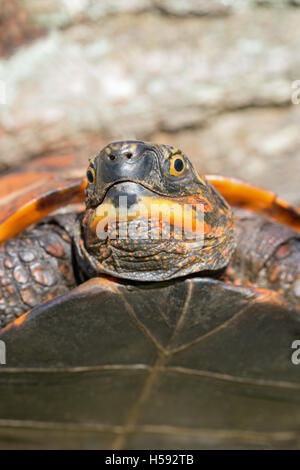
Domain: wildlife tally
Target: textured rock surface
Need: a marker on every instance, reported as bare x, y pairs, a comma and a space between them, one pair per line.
16, 26
214, 78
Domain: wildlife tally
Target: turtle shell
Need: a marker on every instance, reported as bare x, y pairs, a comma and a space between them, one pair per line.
36, 189
194, 363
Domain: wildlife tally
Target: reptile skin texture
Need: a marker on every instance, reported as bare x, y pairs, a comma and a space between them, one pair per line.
34, 268
267, 255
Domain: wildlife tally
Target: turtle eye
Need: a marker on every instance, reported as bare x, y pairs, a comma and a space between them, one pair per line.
177, 165
90, 174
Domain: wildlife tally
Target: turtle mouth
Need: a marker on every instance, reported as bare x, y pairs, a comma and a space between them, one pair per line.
131, 193
131, 210
147, 186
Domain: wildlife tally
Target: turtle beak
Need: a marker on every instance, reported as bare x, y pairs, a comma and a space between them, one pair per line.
124, 161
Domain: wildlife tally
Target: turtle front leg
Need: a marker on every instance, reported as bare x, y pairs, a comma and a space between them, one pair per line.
267, 255
34, 267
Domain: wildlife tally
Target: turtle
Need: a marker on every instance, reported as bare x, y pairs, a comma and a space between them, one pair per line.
163, 313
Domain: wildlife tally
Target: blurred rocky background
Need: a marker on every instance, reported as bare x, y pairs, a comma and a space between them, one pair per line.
213, 77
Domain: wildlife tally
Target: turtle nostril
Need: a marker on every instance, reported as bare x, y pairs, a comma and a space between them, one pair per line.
128, 154
112, 157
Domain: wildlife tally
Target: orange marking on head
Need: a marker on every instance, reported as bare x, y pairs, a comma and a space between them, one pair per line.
197, 200
207, 228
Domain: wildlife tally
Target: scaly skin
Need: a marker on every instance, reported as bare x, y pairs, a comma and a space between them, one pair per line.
267, 255
34, 267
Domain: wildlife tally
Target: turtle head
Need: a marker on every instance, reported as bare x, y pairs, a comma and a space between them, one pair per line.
162, 169
150, 216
